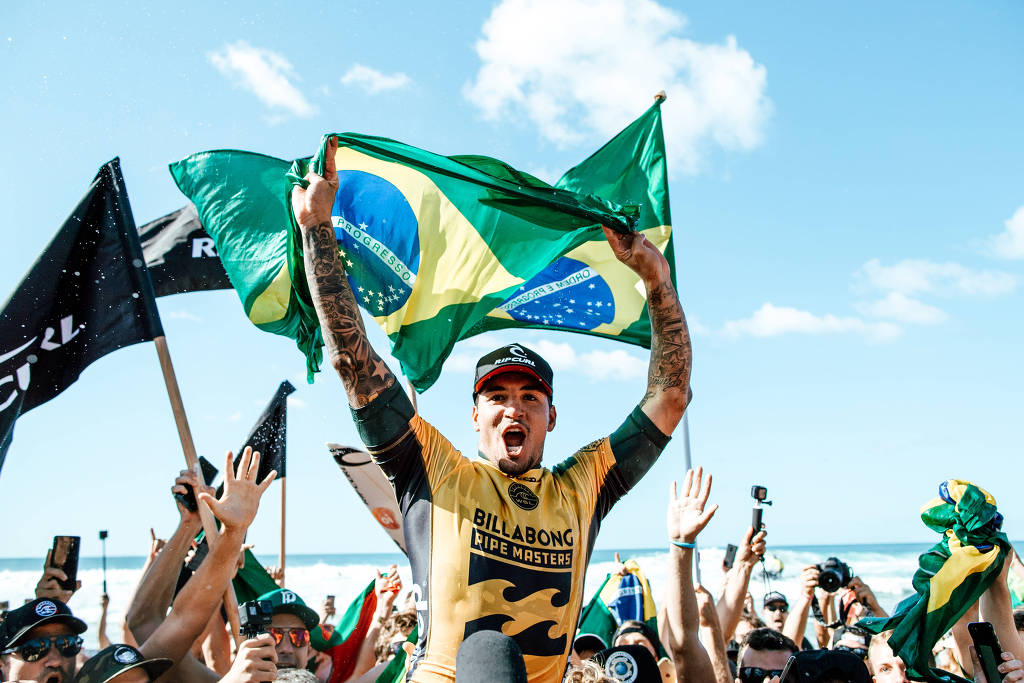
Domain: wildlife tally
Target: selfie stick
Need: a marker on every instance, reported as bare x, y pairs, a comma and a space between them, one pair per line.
103, 537
689, 465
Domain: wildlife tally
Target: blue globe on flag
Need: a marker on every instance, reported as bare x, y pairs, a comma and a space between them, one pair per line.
567, 294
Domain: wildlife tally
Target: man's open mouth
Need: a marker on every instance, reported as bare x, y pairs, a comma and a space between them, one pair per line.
514, 437
53, 677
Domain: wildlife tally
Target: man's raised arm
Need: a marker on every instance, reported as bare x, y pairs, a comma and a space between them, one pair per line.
668, 376
362, 371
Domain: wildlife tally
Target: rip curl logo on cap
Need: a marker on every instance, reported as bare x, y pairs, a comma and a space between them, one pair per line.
517, 351
622, 667
287, 597
126, 655
46, 609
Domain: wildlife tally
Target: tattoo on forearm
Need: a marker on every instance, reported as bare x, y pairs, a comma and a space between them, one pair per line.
362, 371
670, 344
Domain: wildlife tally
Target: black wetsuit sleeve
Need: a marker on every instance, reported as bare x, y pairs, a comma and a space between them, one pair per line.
636, 445
382, 422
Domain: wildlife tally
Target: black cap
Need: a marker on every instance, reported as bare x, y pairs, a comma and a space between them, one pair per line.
629, 663
814, 665
588, 641
116, 659
513, 358
775, 596
19, 622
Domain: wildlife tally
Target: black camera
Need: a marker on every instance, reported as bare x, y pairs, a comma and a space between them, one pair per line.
833, 574
254, 617
760, 495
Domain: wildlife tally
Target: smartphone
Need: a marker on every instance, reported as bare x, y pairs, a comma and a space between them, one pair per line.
64, 556
330, 598
188, 499
987, 646
730, 556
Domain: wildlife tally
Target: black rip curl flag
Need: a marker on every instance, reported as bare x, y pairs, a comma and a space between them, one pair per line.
269, 435
88, 294
180, 255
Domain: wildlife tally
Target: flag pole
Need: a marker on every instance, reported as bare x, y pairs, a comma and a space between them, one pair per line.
412, 394
191, 459
281, 556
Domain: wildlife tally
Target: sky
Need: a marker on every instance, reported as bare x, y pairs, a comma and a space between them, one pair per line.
847, 195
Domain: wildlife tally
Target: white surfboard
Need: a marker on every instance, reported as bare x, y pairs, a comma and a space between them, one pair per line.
373, 487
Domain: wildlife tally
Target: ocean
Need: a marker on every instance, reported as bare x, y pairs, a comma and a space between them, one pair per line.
886, 568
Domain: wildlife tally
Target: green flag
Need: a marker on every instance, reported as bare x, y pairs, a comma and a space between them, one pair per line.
588, 290
952, 575
430, 244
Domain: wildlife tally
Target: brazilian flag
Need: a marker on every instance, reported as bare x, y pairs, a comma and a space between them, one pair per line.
431, 244
621, 597
952, 575
588, 290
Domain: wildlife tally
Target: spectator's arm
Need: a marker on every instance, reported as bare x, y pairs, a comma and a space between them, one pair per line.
101, 629
711, 635
685, 519
997, 609
386, 589
737, 581
962, 639
148, 606
796, 621
203, 593
866, 596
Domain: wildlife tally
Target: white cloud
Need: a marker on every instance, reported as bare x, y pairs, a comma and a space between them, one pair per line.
772, 321
916, 276
900, 307
580, 69
264, 73
373, 81
1009, 244
296, 402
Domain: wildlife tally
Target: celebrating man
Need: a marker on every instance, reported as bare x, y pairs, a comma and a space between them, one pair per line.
498, 545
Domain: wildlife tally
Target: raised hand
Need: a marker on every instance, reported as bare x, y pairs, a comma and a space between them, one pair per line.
241, 498
752, 548
312, 205
637, 252
189, 478
686, 514
1011, 668
48, 586
387, 586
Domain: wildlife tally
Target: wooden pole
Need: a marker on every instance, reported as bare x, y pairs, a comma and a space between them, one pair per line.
412, 394
281, 557
189, 448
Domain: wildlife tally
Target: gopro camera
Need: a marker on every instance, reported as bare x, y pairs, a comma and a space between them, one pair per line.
759, 494
254, 617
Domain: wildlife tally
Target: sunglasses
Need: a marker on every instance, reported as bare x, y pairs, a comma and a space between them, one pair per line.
753, 674
298, 636
861, 652
777, 607
35, 649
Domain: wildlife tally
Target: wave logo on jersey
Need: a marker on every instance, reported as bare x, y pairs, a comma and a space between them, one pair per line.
522, 496
378, 236
523, 602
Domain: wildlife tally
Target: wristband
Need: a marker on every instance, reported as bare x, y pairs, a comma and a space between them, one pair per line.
683, 544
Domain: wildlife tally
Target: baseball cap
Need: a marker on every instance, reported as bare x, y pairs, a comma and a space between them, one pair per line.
287, 602
815, 665
588, 641
629, 663
775, 596
116, 659
513, 358
20, 621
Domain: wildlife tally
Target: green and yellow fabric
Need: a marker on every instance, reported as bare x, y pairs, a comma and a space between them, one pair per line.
952, 575
431, 244
623, 596
588, 290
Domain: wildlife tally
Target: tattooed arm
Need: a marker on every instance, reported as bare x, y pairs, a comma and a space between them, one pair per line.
362, 371
668, 377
